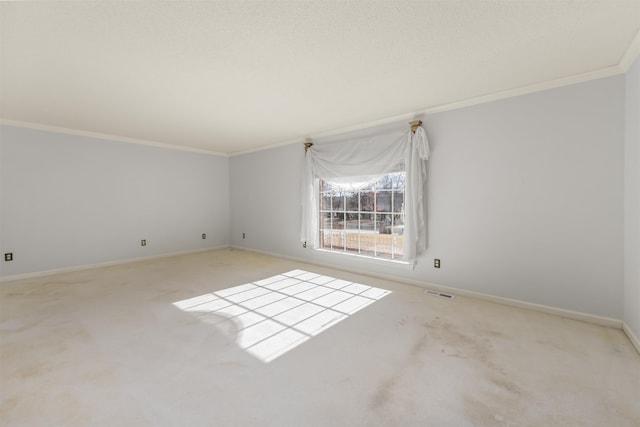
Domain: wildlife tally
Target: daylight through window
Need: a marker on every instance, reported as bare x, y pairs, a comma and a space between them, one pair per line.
363, 215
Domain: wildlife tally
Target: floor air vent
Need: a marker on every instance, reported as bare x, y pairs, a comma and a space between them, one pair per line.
438, 294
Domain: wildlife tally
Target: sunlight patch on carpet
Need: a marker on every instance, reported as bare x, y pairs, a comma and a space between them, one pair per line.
271, 316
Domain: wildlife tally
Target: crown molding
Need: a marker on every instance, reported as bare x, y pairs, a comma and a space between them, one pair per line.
631, 54
526, 90
69, 131
510, 93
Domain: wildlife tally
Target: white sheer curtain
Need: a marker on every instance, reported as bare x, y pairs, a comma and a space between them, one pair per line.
377, 155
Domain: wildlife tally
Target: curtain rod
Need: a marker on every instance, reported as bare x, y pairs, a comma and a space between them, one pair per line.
308, 143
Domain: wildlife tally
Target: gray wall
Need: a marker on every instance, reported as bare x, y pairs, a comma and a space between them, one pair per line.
632, 200
525, 200
70, 200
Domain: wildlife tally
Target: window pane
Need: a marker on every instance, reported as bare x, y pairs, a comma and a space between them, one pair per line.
383, 223
337, 202
368, 252
385, 182
398, 181
369, 186
398, 224
352, 201
325, 239
398, 201
325, 220
351, 221
383, 201
325, 202
338, 240
383, 244
366, 201
352, 240
367, 222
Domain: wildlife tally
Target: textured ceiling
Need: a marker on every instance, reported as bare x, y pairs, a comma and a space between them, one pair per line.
234, 76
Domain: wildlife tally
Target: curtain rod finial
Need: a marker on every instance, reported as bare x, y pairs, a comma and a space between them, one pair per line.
308, 143
414, 125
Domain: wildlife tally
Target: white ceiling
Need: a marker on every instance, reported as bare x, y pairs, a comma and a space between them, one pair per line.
231, 76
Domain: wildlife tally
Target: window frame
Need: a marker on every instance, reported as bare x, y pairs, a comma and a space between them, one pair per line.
396, 214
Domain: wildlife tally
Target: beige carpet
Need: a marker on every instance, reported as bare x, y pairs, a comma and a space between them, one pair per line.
233, 338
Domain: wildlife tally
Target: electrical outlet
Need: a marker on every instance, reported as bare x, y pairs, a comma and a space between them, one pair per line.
143, 243
8, 256
436, 263
204, 236
304, 244
243, 235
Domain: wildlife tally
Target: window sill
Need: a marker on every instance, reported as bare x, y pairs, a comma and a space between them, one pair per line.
405, 265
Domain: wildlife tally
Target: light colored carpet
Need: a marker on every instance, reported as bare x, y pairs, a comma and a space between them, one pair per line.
131, 345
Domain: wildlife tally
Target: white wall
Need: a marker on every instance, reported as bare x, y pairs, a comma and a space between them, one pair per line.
69, 200
632, 200
525, 199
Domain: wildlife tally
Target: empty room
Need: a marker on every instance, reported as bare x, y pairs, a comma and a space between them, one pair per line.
320, 213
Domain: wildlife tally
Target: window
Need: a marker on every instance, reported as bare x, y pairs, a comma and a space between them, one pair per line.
365, 195
363, 215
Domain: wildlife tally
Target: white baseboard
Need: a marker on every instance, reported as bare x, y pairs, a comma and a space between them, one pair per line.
632, 337
556, 311
568, 314
105, 264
